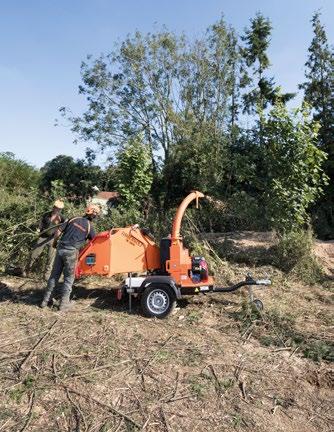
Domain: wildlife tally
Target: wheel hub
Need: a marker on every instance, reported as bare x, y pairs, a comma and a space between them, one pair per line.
158, 302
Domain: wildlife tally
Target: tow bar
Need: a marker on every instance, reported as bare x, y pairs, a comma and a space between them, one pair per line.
249, 282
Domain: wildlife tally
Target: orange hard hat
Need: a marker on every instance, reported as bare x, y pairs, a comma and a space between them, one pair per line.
93, 209
59, 204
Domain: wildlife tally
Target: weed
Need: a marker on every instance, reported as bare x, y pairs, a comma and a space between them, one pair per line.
227, 383
197, 386
193, 317
163, 356
16, 394
319, 350
248, 315
281, 332
29, 382
193, 356
237, 421
5, 414
293, 253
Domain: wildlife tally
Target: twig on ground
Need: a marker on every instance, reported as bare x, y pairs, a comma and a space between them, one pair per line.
29, 414
98, 369
54, 367
242, 387
217, 382
118, 426
137, 399
180, 397
77, 408
155, 354
164, 419
22, 339
282, 349
176, 384
146, 423
39, 342
102, 404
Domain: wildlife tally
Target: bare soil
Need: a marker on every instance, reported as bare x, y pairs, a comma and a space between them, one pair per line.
208, 367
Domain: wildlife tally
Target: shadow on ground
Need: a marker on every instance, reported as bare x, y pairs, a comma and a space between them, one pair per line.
103, 298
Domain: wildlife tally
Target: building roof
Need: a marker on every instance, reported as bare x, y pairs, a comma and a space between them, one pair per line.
105, 195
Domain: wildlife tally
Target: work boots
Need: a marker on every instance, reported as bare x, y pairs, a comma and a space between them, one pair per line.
65, 303
46, 299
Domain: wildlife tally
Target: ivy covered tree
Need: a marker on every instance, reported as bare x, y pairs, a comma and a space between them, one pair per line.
134, 173
294, 165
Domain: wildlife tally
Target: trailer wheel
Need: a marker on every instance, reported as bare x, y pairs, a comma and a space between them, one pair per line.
158, 301
258, 304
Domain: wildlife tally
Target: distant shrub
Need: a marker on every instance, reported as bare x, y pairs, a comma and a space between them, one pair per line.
293, 253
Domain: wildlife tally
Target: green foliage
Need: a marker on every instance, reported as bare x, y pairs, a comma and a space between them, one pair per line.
294, 253
197, 161
257, 40
77, 177
134, 173
280, 331
319, 84
295, 176
319, 93
16, 174
180, 94
21, 207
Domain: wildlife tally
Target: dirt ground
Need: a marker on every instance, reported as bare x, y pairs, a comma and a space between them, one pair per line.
215, 365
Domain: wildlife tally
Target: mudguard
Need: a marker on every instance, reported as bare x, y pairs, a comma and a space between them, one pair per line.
160, 280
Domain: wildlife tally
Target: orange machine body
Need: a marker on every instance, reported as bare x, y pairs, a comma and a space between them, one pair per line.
180, 263
130, 249
120, 250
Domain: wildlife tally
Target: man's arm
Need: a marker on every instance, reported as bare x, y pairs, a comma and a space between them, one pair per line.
58, 233
42, 222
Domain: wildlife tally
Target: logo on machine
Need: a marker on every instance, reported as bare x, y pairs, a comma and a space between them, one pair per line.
131, 239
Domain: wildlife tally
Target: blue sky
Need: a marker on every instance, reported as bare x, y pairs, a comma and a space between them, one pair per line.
44, 41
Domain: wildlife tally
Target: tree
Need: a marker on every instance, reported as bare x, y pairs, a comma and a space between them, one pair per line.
319, 85
134, 173
16, 174
319, 93
77, 176
264, 93
152, 84
294, 165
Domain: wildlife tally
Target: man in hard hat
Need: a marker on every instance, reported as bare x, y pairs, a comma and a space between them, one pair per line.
68, 240
47, 228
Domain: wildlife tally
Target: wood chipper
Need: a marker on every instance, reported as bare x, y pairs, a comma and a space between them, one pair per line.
170, 272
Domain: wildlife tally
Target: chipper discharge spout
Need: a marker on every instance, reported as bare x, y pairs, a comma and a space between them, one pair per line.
164, 273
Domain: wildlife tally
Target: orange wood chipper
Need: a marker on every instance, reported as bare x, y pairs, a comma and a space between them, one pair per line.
169, 270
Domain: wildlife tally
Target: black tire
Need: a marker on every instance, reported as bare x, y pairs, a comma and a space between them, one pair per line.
158, 301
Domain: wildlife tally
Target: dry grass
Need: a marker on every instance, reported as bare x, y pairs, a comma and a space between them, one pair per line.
99, 368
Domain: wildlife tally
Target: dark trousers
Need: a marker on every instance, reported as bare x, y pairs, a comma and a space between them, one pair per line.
65, 262
40, 245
